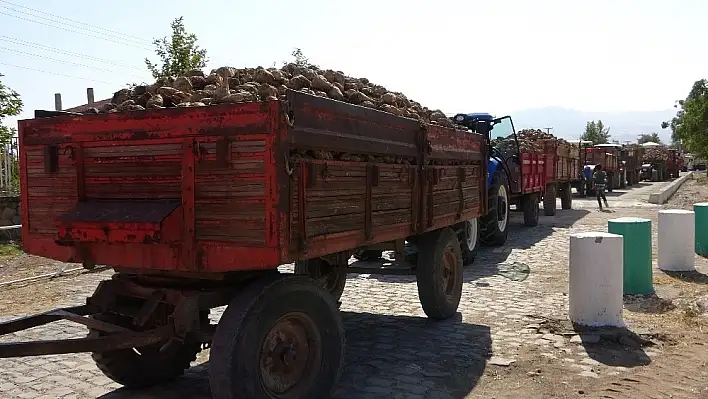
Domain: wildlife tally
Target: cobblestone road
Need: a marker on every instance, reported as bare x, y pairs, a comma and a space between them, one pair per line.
393, 351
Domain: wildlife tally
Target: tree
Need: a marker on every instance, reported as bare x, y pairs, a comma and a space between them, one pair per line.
596, 132
645, 138
690, 125
10, 105
178, 54
299, 59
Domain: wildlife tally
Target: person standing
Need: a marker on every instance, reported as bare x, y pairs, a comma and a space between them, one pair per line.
599, 177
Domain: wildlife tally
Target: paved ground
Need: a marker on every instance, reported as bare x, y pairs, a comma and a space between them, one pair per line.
508, 341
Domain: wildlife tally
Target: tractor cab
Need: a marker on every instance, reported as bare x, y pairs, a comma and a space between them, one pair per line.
504, 153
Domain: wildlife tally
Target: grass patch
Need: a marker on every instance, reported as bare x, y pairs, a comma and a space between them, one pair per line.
10, 249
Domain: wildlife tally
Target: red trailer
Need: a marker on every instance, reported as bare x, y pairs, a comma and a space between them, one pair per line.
195, 208
607, 155
674, 163
561, 170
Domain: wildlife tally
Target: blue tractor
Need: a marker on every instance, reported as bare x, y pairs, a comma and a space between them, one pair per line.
503, 174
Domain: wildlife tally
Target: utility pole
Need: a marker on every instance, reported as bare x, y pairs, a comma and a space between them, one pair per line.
548, 129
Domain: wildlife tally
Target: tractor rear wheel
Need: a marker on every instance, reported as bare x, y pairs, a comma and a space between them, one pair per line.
278, 338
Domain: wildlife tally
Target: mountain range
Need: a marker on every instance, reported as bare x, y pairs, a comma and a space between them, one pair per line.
570, 123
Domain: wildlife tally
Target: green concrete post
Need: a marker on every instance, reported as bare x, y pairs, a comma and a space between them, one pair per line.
701, 226
637, 267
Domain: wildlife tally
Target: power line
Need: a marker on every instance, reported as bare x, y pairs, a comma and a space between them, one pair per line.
74, 21
63, 61
54, 73
77, 32
65, 52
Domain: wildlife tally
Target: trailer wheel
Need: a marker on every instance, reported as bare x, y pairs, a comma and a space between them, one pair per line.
581, 189
332, 280
469, 241
610, 182
278, 339
145, 366
549, 200
368, 254
439, 273
493, 228
566, 197
530, 206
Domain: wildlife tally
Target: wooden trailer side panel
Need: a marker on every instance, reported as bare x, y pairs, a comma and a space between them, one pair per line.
339, 205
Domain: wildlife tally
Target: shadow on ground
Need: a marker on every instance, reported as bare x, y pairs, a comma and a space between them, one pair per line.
693, 276
385, 356
615, 347
492, 261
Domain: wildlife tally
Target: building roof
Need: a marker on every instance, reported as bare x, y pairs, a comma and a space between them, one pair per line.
82, 108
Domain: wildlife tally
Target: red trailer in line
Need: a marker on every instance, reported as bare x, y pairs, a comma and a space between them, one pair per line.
195, 208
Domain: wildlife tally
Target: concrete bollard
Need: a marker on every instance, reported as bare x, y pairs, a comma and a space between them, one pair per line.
701, 226
676, 240
636, 264
595, 279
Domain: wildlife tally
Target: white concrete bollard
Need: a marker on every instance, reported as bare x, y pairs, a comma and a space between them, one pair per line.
596, 279
676, 240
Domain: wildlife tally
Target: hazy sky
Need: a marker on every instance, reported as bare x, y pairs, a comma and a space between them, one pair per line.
460, 56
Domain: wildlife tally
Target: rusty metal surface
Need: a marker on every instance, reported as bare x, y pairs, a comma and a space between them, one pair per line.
106, 343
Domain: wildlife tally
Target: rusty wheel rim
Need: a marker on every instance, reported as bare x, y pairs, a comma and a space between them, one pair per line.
290, 356
449, 276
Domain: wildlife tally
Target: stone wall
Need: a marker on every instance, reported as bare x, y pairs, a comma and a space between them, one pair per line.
10, 211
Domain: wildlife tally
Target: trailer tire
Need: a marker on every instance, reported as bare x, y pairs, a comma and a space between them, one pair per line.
549, 200
530, 206
439, 274
610, 182
469, 241
493, 232
320, 270
566, 197
368, 255
146, 366
290, 318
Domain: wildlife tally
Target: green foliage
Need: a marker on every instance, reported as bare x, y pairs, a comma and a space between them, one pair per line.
299, 59
596, 132
178, 54
10, 105
690, 125
651, 137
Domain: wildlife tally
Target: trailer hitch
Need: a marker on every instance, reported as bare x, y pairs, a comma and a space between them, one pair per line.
117, 337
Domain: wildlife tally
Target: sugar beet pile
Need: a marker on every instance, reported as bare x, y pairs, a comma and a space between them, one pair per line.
232, 85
